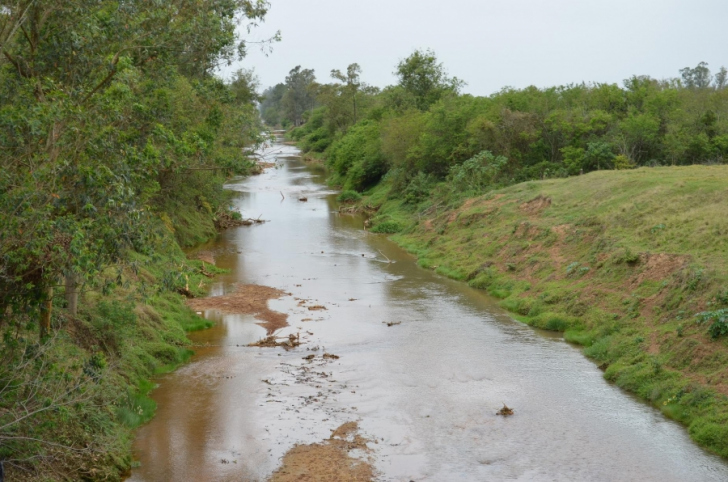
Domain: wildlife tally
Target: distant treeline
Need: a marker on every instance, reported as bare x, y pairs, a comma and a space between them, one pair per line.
424, 130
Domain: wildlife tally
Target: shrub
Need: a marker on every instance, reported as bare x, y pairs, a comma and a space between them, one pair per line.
387, 227
719, 319
418, 189
356, 158
623, 162
477, 173
349, 197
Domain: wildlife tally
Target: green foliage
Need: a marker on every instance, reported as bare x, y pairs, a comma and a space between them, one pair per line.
418, 189
356, 159
423, 77
477, 143
623, 162
299, 96
477, 174
349, 197
137, 408
271, 109
114, 132
718, 320
387, 227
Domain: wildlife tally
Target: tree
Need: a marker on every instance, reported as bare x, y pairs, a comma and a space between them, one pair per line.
300, 95
351, 82
85, 142
721, 78
696, 78
271, 108
422, 76
244, 86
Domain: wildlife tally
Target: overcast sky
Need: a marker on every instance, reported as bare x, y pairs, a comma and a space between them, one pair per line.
495, 43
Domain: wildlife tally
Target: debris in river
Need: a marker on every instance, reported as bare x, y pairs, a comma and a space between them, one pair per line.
505, 411
204, 272
251, 221
227, 219
269, 341
303, 199
272, 341
392, 323
316, 308
331, 356
309, 357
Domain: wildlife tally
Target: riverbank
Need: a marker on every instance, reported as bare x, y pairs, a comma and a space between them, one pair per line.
78, 396
620, 261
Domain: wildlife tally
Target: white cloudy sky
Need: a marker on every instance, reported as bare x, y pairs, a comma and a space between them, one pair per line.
495, 43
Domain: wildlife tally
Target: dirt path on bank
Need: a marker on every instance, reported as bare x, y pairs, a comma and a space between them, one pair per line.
247, 299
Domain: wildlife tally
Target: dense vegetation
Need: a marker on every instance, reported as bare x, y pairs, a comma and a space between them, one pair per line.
592, 209
115, 139
423, 131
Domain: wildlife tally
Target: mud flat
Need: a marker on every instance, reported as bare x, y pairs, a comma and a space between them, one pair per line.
246, 299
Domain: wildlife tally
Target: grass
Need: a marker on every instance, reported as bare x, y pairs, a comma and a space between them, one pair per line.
620, 261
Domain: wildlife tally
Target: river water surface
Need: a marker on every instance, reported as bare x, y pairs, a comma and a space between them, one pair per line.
425, 392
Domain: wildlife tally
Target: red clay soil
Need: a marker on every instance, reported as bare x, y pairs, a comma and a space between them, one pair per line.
247, 299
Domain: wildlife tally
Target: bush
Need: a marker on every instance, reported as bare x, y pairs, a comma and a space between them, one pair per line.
477, 173
418, 189
623, 162
356, 159
719, 319
349, 197
387, 227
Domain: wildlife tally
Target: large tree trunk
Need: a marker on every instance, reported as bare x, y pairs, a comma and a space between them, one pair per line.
72, 293
45, 313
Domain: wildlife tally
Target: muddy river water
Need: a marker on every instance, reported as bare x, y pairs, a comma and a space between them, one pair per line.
425, 392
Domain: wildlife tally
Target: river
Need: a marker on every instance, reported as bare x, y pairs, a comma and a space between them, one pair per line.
425, 390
